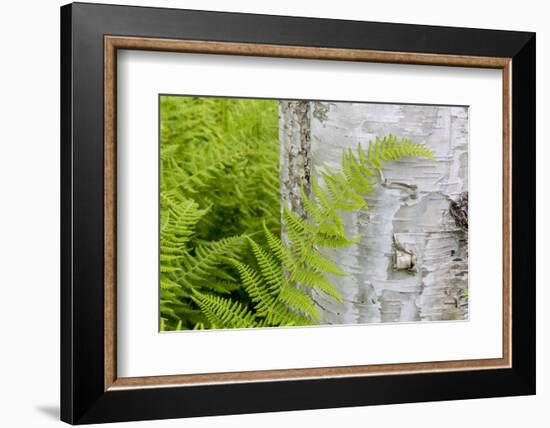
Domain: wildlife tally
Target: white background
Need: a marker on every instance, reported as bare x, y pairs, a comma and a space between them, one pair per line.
144, 352
29, 219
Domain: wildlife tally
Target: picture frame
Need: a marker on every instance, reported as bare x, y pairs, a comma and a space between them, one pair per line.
91, 390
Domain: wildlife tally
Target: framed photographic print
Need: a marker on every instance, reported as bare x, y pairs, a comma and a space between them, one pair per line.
265, 213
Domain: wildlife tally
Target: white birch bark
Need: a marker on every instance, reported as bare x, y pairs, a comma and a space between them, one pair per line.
410, 209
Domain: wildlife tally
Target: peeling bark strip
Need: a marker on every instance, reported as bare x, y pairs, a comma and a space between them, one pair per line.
295, 140
408, 222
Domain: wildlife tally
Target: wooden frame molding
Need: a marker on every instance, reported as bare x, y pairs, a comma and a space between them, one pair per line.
113, 43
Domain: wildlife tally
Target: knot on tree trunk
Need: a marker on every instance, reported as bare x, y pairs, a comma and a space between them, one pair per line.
459, 211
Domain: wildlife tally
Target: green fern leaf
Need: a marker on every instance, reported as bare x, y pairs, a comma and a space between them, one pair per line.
224, 312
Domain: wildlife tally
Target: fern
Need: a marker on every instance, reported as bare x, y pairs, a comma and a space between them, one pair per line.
223, 153
219, 181
223, 312
179, 217
275, 301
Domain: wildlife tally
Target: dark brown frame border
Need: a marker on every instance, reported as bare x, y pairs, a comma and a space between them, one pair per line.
114, 43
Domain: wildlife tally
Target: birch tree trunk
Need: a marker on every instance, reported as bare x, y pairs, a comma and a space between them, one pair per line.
295, 152
408, 214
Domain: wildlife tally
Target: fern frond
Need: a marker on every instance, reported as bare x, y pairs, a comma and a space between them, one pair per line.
270, 267
297, 299
224, 312
391, 148
317, 261
207, 260
315, 279
263, 298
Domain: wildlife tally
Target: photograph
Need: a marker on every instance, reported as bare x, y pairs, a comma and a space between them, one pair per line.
292, 213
